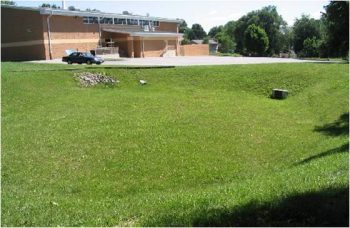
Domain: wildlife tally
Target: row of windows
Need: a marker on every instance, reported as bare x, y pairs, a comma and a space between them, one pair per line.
119, 21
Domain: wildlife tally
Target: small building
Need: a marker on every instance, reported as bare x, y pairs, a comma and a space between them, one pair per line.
213, 45
44, 33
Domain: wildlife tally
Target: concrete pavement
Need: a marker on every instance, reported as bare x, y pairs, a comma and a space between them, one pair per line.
189, 61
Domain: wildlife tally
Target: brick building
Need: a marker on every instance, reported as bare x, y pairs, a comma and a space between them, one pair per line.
43, 33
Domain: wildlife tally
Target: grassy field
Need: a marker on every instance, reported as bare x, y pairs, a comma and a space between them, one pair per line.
197, 146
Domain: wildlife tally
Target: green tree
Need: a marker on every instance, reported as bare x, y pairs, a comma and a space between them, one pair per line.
223, 35
337, 26
189, 34
310, 47
183, 27
45, 5
304, 28
226, 44
198, 32
268, 19
205, 40
286, 38
6, 2
215, 30
256, 40
185, 41
229, 28
55, 7
72, 8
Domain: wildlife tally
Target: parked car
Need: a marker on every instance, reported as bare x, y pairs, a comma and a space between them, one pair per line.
82, 57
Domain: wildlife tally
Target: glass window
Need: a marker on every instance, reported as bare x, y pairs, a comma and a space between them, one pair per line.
86, 20
90, 20
155, 23
144, 22
132, 21
93, 20
120, 21
106, 20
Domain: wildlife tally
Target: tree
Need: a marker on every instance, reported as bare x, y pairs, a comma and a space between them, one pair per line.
229, 28
6, 2
45, 5
185, 41
266, 18
72, 8
226, 44
337, 27
183, 26
310, 47
55, 7
125, 12
205, 40
92, 10
304, 28
286, 39
225, 37
189, 34
215, 30
256, 40
198, 32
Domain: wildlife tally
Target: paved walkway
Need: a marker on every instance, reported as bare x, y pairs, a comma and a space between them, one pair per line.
189, 61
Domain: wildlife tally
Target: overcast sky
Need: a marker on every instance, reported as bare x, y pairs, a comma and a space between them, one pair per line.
206, 13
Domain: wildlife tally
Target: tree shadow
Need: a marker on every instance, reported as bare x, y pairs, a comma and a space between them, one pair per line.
337, 128
329, 207
342, 149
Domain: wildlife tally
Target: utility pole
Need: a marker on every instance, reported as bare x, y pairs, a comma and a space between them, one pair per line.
64, 4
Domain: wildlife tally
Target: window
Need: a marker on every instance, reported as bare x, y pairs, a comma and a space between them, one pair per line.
144, 22
86, 20
133, 22
155, 23
106, 20
120, 21
90, 20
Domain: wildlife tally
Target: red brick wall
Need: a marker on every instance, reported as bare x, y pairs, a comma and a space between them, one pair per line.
194, 49
25, 36
21, 35
70, 33
167, 27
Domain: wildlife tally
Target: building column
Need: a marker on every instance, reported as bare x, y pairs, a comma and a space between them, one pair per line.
143, 48
130, 43
177, 46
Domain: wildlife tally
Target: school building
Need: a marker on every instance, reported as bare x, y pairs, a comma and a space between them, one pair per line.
44, 33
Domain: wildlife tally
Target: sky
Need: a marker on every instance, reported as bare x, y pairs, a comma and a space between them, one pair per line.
205, 12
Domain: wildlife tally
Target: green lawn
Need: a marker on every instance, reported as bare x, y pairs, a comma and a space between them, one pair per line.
197, 146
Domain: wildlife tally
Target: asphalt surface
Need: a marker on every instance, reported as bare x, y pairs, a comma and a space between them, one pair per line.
188, 61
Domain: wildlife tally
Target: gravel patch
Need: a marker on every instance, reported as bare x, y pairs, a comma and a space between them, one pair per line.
87, 79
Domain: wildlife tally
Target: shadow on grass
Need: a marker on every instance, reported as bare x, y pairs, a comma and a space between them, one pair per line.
342, 149
329, 207
339, 127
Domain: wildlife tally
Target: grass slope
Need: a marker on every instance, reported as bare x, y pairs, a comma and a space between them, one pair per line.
196, 146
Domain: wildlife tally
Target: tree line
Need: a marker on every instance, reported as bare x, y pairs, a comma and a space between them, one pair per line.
264, 33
